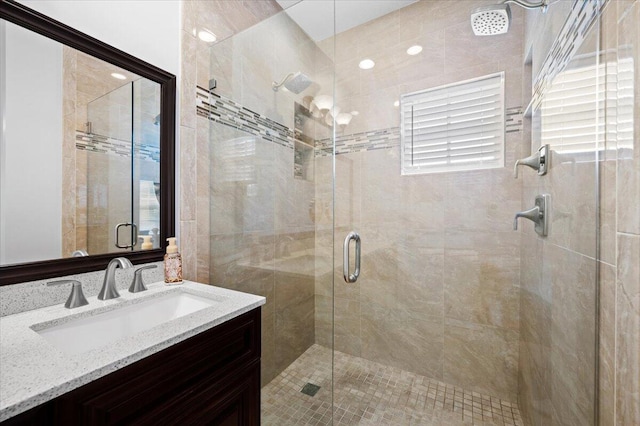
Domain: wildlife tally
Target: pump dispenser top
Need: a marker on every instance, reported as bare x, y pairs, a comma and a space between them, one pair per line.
172, 247
146, 242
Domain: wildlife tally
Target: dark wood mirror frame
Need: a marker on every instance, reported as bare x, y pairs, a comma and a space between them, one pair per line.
27, 18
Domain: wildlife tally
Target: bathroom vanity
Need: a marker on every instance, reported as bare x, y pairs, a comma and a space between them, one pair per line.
199, 364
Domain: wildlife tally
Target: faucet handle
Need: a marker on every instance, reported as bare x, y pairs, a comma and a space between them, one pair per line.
137, 285
539, 215
538, 161
76, 298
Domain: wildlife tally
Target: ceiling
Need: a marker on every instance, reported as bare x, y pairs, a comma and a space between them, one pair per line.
315, 17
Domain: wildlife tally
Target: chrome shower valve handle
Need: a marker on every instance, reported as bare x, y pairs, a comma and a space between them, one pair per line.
538, 161
537, 214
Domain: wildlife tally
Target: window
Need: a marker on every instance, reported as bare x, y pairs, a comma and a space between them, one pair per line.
455, 127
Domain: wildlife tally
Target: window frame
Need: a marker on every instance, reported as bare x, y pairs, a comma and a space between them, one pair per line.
409, 170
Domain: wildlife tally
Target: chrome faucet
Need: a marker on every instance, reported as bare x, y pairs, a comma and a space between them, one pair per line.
109, 290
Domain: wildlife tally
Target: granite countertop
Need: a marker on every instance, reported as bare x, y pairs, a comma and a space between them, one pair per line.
33, 370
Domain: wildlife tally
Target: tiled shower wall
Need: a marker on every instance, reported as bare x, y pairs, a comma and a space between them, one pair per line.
224, 19
558, 276
620, 217
254, 220
438, 292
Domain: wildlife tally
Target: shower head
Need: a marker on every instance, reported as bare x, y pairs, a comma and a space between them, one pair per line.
495, 19
491, 20
294, 82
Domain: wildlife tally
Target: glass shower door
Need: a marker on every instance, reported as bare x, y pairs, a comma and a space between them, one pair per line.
109, 171
123, 173
455, 316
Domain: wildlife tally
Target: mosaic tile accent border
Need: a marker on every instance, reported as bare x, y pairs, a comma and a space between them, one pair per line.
225, 111
583, 14
230, 113
357, 142
390, 138
111, 146
513, 121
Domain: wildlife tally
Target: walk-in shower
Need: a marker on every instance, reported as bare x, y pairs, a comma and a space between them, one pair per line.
455, 317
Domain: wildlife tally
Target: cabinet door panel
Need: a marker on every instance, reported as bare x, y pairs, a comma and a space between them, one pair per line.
156, 381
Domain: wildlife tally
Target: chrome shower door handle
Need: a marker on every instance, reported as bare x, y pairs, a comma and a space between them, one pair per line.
348, 277
134, 236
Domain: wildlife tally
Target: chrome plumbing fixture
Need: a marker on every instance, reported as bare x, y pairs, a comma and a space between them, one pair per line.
294, 82
538, 215
137, 285
76, 298
495, 19
109, 290
538, 161
349, 277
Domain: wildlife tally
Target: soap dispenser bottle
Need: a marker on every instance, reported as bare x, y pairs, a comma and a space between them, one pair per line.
146, 242
172, 263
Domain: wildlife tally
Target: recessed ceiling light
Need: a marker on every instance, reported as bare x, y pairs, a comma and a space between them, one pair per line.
366, 64
414, 50
396, 104
118, 76
207, 36
354, 113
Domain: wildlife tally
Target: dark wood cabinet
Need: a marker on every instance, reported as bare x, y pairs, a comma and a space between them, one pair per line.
212, 378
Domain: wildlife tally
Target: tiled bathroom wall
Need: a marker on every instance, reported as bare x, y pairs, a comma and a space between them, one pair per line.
254, 221
438, 292
223, 19
558, 274
620, 217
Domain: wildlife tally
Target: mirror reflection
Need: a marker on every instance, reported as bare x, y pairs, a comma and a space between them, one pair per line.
80, 152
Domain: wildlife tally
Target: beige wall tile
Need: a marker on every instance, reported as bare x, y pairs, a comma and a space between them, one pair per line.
629, 141
391, 337
188, 177
572, 356
473, 354
483, 290
294, 331
203, 163
607, 344
628, 331
187, 245
188, 70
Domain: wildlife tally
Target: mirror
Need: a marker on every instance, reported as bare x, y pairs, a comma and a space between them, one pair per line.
87, 151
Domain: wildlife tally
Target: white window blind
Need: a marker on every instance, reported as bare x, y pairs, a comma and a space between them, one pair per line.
459, 126
572, 109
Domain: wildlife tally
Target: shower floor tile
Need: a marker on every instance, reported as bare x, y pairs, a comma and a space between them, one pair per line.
368, 393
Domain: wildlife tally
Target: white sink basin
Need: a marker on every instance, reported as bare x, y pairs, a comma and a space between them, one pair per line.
83, 334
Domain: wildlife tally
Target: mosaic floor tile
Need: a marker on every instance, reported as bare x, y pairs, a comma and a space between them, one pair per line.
368, 393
